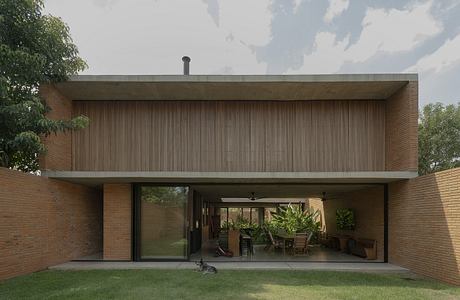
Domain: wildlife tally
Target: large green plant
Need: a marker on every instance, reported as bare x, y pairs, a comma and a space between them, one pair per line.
293, 219
34, 49
345, 219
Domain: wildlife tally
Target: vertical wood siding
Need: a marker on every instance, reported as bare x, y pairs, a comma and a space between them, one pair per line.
228, 136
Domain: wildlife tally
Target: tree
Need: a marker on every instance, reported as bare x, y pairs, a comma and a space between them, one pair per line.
34, 49
439, 138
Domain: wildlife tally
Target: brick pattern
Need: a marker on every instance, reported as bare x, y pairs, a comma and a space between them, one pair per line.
401, 129
368, 208
117, 221
44, 222
59, 146
424, 225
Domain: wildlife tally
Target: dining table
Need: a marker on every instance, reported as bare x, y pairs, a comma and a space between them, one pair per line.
285, 237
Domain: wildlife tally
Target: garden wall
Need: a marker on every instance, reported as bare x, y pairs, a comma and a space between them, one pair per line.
44, 222
369, 219
424, 225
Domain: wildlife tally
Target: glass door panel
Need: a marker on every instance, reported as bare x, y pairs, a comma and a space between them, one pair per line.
163, 220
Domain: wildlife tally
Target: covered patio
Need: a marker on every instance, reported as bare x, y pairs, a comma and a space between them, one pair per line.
289, 222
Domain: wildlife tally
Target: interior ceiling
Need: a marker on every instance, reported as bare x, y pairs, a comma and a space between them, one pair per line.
215, 192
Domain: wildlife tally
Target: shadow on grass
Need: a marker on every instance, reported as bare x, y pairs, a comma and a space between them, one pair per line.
227, 284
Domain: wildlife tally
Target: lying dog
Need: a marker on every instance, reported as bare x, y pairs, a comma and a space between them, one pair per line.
205, 268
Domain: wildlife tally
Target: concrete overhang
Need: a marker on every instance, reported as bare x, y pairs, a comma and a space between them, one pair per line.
234, 87
95, 178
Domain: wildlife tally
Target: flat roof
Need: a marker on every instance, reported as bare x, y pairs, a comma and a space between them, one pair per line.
94, 178
234, 87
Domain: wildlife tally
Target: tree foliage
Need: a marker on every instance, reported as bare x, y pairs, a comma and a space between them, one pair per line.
439, 138
34, 49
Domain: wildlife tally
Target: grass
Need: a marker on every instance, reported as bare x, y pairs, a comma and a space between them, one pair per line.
234, 284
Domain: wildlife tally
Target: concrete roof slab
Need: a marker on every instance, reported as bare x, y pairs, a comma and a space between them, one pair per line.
234, 87
100, 177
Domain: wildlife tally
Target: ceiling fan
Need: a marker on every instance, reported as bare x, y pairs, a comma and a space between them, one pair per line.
323, 198
253, 197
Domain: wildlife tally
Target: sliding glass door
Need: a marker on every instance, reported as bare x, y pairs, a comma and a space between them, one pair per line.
162, 223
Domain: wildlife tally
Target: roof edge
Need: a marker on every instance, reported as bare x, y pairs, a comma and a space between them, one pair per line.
405, 77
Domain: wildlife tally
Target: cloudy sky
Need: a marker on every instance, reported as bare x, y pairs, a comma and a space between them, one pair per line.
271, 37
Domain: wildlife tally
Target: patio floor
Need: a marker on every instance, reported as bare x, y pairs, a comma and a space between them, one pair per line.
350, 267
316, 254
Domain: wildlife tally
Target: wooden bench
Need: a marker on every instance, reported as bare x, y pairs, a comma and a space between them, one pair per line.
366, 248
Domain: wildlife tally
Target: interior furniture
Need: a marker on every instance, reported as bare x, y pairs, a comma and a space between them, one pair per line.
273, 244
343, 240
234, 242
300, 244
366, 248
285, 239
246, 244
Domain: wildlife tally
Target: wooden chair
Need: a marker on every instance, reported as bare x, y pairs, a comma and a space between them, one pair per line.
310, 235
300, 243
272, 243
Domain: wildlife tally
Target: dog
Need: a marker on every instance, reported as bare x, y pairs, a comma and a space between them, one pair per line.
205, 268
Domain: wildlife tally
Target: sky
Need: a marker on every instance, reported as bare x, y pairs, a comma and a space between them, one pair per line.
271, 37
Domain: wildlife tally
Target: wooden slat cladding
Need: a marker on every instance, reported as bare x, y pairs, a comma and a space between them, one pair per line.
230, 136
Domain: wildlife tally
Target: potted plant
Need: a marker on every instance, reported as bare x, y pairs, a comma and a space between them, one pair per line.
292, 219
345, 221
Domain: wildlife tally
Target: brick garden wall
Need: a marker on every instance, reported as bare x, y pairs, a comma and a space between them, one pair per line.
424, 225
44, 222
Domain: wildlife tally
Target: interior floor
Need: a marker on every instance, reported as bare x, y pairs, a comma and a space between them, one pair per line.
316, 253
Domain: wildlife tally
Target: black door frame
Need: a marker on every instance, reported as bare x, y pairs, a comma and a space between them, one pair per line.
136, 222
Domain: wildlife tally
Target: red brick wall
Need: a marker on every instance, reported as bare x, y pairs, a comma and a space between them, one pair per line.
59, 146
44, 222
117, 221
401, 129
367, 205
424, 225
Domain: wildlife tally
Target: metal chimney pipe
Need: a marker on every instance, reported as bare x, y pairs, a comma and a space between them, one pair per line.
186, 61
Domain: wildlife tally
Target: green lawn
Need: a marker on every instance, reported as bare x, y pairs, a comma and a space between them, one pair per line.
235, 284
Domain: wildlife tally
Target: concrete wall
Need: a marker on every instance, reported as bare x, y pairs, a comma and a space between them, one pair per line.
44, 222
59, 146
368, 208
117, 221
424, 225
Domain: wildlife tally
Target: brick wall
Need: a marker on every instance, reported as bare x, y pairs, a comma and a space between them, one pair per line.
117, 221
59, 146
401, 129
44, 222
424, 225
368, 208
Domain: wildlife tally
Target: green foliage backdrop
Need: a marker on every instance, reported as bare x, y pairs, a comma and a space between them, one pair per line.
439, 138
34, 49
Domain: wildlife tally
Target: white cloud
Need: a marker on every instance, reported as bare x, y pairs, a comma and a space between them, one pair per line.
150, 37
393, 31
297, 5
248, 21
335, 9
384, 31
327, 54
440, 60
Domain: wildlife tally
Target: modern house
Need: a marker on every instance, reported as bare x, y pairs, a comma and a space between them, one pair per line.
174, 156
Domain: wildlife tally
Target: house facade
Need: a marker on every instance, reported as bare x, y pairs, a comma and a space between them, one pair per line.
167, 151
